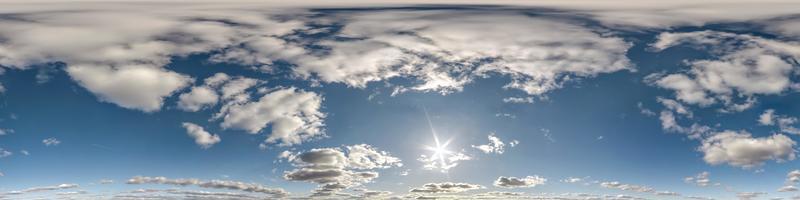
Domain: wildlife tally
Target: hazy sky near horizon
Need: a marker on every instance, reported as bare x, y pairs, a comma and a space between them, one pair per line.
399, 100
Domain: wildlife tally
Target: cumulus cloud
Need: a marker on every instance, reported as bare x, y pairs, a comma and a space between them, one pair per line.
445, 187
495, 145
741, 149
539, 54
514, 182
335, 169
197, 99
120, 56
744, 66
792, 178
785, 123
213, 184
5, 153
130, 86
51, 142
201, 136
293, 115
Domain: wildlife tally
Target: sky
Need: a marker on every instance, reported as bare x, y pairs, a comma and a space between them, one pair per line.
399, 100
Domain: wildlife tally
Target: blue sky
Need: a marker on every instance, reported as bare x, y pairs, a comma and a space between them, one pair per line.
380, 100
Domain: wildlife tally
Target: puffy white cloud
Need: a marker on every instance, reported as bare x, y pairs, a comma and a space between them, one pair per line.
201, 136
785, 123
675, 106
669, 122
444, 54
744, 66
495, 145
791, 179
743, 150
197, 99
130, 86
514, 182
767, 118
364, 156
51, 142
335, 169
788, 188
446, 187
120, 55
293, 115
214, 184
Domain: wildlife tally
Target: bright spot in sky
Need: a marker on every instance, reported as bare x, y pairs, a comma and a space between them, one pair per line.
441, 158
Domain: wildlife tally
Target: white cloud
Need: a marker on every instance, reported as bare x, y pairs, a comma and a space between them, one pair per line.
792, 178
700, 179
749, 195
214, 184
335, 169
294, 116
514, 182
364, 156
131, 86
120, 55
741, 149
785, 123
518, 99
495, 145
444, 161
197, 99
745, 66
788, 188
42, 189
51, 141
767, 118
201, 136
446, 187
538, 54
627, 187
5, 153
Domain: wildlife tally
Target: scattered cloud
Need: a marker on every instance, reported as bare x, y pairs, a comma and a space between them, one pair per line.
335, 169
700, 179
213, 184
514, 182
749, 195
201, 136
5, 153
51, 142
445, 187
746, 66
293, 114
42, 189
741, 149
627, 187
785, 123
442, 161
495, 145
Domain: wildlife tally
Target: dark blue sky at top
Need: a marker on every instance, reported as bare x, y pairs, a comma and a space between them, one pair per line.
100, 140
